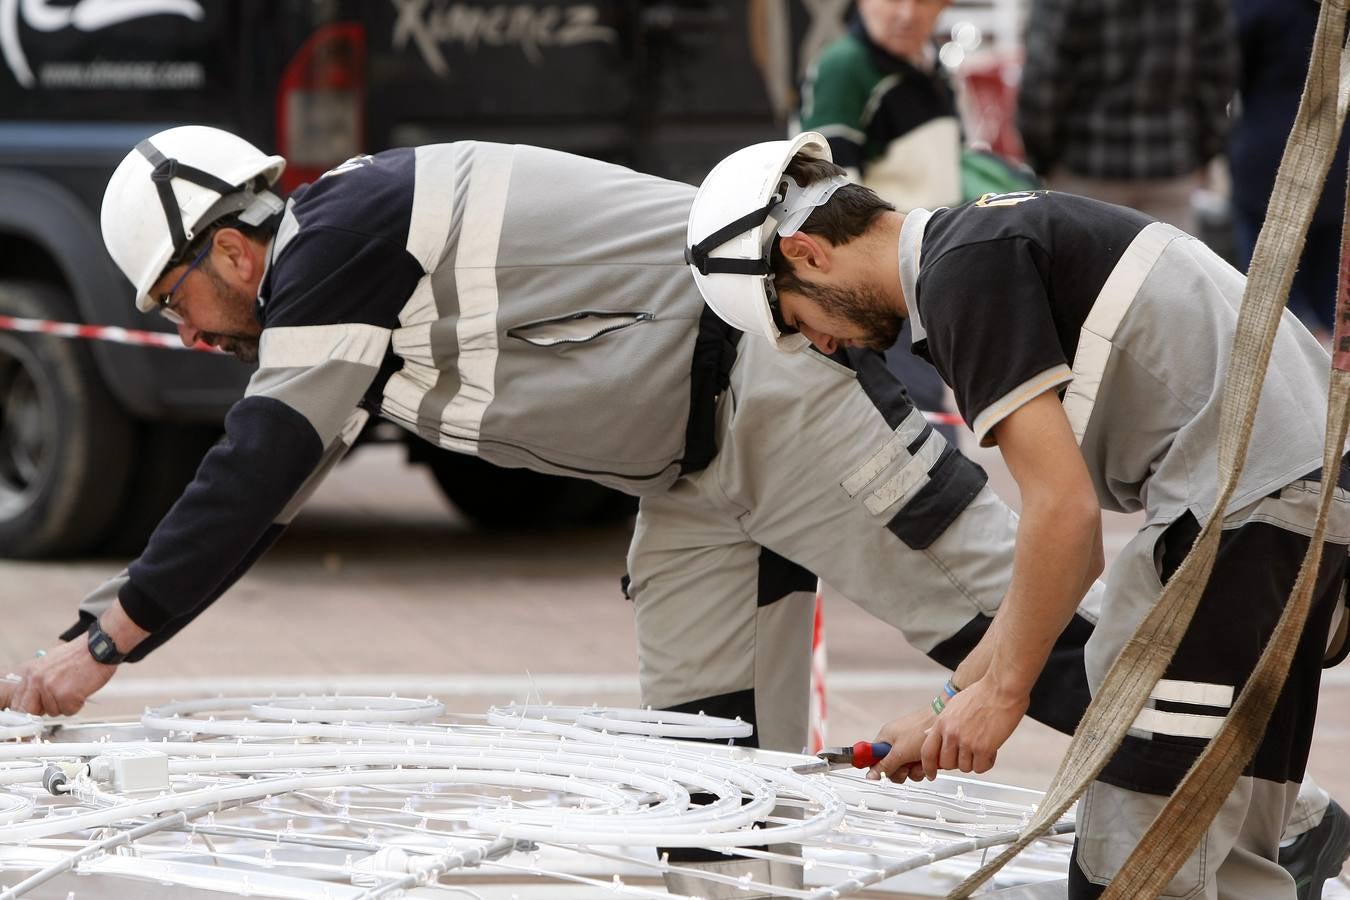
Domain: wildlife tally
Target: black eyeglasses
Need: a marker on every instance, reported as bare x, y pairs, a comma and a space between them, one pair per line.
166, 300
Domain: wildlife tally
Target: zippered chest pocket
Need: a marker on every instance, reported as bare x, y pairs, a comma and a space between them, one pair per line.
577, 328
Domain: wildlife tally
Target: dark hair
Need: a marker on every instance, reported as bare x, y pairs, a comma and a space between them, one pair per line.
845, 216
262, 233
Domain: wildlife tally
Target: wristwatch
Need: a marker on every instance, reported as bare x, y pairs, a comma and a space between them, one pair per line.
101, 647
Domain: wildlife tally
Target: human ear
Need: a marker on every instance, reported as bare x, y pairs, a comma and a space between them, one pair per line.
805, 250
237, 253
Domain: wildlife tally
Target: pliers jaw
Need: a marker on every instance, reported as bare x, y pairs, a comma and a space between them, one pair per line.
861, 755
836, 757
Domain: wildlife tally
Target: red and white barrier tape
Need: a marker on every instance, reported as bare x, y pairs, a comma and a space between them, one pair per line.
944, 418
110, 333
138, 338
818, 712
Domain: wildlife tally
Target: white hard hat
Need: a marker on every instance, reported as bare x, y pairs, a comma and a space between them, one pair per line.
174, 184
744, 204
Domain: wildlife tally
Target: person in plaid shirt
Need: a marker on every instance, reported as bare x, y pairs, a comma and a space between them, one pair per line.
1127, 102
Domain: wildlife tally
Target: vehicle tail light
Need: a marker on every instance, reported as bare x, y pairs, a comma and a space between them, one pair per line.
321, 103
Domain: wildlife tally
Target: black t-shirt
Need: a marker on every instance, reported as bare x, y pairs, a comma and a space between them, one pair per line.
1003, 288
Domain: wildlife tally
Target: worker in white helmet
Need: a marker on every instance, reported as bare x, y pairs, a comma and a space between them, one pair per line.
1088, 343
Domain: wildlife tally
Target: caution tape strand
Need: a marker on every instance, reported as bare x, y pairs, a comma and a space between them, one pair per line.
139, 338
108, 333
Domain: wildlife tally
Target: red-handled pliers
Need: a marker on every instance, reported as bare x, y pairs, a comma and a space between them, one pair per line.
862, 755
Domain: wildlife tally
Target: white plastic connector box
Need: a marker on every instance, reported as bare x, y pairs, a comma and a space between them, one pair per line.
132, 770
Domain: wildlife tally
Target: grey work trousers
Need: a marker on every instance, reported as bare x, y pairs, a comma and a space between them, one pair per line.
1260, 552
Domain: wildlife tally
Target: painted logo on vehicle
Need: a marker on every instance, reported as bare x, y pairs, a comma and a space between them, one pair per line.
95, 15
431, 25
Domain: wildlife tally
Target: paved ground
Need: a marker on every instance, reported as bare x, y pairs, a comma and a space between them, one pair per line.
379, 583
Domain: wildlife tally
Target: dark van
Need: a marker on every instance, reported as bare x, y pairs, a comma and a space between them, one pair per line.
97, 438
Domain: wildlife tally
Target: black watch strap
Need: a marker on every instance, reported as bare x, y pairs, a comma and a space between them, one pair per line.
101, 647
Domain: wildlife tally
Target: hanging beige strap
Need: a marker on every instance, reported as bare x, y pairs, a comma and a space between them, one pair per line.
1144, 658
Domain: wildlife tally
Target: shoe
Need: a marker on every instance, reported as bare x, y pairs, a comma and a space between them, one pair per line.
1319, 853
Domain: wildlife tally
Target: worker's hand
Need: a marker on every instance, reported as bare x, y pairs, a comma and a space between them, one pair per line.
972, 727
906, 736
58, 683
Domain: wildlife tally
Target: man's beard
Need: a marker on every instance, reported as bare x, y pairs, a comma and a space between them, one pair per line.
244, 349
243, 342
863, 307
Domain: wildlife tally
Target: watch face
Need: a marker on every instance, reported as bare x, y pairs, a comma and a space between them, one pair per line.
101, 647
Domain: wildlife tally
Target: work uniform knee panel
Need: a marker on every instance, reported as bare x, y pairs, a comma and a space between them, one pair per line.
953, 482
916, 484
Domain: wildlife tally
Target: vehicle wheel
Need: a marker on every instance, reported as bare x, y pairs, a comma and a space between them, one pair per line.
167, 457
65, 444
495, 497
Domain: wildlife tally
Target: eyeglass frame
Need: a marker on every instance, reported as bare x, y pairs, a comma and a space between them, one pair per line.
776, 311
166, 299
